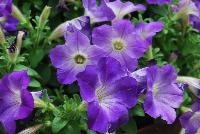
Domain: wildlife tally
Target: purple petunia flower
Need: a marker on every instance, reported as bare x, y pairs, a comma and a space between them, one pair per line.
195, 20
16, 101
191, 120
120, 42
81, 23
7, 21
109, 94
141, 78
146, 31
189, 11
159, 2
163, 94
121, 9
72, 58
98, 13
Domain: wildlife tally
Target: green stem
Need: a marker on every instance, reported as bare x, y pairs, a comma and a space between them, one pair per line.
150, 53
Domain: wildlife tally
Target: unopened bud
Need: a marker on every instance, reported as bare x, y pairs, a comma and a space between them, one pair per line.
44, 16
31, 130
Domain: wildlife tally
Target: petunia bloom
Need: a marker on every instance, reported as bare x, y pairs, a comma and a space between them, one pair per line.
163, 94
121, 9
109, 94
141, 78
146, 31
120, 42
98, 13
195, 20
72, 58
191, 120
187, 10
159, 2
7, 21
16, 101
81, 23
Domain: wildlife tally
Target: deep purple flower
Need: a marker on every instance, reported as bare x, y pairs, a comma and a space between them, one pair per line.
72, 58
109, 94
191, 120
6, 6
146, 31
121, 9
120, 42
195, 20
159, 2
7, 21
81, 23
16, 101
163, 94
98, 13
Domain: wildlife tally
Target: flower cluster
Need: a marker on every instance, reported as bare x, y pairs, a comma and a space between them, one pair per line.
104, 64
7, 21
101, 53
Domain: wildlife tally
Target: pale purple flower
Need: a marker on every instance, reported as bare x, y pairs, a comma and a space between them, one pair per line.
141, 78
81, 23
109, 94
186, 8
146, 31
193, 84
7, 21
120, 42
121, 9
72, 57
159, 2
191, 120
16, 101
98, 13
163, 94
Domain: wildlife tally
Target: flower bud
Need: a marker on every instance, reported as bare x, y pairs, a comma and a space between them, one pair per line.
31, 130
17, 13
14, 49
44, 16
2, 37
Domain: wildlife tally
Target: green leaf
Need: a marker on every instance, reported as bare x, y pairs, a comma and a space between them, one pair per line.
31, 72
73, 130
36, 56
138, 110
58, 124
35, 84
130, 127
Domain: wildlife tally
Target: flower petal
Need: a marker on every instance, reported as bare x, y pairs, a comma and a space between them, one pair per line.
88, 82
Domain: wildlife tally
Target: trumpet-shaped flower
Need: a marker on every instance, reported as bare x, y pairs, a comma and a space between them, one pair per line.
191, 120
120, 42
146, 31
16, 101
7, 21
72, 58
124, 42
109, 94
98, 13
163, 94
121, 9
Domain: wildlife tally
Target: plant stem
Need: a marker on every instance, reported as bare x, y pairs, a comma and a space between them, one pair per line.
150, 53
